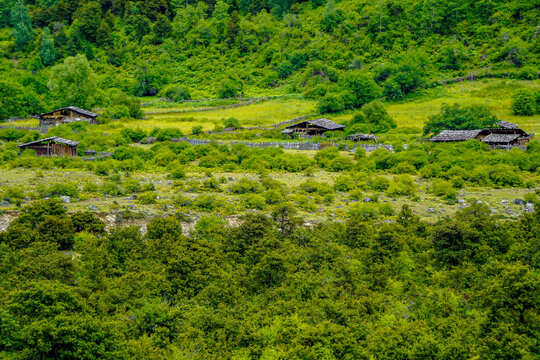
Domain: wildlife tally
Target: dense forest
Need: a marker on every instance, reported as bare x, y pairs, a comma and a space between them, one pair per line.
229, 48
465, 287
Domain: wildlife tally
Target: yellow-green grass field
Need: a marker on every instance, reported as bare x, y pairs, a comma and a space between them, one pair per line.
496, 94
263, 113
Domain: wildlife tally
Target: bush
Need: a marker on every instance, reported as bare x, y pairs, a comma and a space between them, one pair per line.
229, 88
147, 198
457, 117
244, 186
331, 103
339, 163
208, 202
196, 130
524, 103
232, 123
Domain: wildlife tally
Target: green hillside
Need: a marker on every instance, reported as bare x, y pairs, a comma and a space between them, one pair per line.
223, 49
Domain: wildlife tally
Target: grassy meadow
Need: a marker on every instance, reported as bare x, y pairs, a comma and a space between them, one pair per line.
495, 94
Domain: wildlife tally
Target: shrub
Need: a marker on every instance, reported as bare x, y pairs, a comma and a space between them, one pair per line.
132, 185
116, 112
340, 163
208, 202
254, 201
344, 183
244, 186
232, 123
524, 103
229, 88
147, 198
87, 221
197, 130
331, 103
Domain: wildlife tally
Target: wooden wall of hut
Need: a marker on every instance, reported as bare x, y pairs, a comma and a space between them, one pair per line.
52, 149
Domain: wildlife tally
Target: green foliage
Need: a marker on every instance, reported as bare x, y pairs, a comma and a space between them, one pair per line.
20, 19
525, 103
73, 83
373, 118
12, 102
229, 87
457, 117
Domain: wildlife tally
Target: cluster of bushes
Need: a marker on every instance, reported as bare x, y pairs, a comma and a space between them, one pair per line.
526, 103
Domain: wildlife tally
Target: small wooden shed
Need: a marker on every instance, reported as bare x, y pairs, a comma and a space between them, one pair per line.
362, 137
67, 115
313, 127
52, 146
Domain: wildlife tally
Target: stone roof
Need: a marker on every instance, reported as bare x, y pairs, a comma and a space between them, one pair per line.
55, 139
74, 109
500, 138
362, 137
506, 125
322, 123
457, 135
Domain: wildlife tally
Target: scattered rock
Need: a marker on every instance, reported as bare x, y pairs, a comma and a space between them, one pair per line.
508, 211
504, 201
493, 211
479, 202
462, 206
92, 207
129, 198
132, 207
430, 210
529, 208
66, 199
519, 202
461, 201
4, 203
367, 200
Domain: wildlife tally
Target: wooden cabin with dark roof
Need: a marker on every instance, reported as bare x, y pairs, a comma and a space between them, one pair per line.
460, 135
52, 146
313, 127
67, 115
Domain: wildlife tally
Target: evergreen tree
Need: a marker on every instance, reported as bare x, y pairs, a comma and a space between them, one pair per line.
20, 19
47, 52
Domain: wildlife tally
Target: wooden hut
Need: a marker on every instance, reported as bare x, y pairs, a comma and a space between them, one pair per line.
52, 146
502, 139
67, 115
313, 127
460, 135
362, 137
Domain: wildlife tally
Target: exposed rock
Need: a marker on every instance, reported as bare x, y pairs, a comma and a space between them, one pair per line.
92, 207
66, 199
529, 208
129, 198
367, 200
461, 201
4, 203
430, 210
462, 206
519, 202
504, 201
